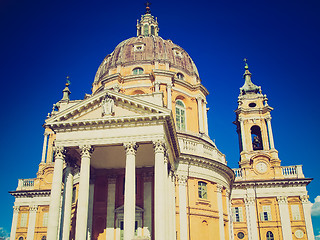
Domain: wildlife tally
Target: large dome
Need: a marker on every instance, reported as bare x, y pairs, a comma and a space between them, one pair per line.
147, 50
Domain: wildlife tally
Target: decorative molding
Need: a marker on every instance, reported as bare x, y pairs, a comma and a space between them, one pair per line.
249, 200
60, 152
282, 199
159, 146
219, 188
182, 180
31, 193
33, 208
86, 150
304, 198
16, 209
130, 148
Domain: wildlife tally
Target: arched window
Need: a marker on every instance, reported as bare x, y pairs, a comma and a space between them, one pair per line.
180, 76
146, 30
180, 115
137, 71
21, 238
256, 138
44, 238
202, 190
152, 30
270, 235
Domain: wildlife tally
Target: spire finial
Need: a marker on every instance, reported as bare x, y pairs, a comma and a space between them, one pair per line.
246, 64
148, 11
67, 81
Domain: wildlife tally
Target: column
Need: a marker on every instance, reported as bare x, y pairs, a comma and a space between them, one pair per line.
270, 132
111, 207
169, 96
55, 198
90, 213
228, 194
44, 147
243, 135
130, 190
182, 181
83, 196
32, 221
200, 117
306, 205
14, 222
220, 208
147, 205
206, 131
284, 217
251, 218
68, 190
167, 196
159, 194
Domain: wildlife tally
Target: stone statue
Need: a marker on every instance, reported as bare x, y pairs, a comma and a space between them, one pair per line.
107, 106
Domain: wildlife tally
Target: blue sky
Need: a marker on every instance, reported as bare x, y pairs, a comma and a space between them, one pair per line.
44, 41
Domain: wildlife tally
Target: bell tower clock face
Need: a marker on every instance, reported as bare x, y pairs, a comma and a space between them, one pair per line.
261, 167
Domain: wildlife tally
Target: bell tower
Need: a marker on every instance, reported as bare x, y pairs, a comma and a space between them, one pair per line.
253, 121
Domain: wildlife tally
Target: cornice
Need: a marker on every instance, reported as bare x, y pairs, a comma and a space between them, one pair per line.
209, 164
273, 182
30, 193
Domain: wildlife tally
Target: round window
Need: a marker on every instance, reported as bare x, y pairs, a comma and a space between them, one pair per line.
252, 104
240, 235
298, 234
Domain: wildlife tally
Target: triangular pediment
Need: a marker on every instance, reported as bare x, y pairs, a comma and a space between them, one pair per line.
107, 106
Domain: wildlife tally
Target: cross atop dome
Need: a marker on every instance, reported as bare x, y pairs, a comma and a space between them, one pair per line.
148, 25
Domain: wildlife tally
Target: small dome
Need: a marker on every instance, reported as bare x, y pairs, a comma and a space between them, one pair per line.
146, 50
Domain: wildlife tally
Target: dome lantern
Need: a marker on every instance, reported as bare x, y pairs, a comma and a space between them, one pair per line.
148, 25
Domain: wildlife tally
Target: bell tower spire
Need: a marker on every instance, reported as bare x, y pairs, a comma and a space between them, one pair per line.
253, 120
148, 25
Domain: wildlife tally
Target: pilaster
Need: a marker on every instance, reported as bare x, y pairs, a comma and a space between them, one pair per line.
32, 221
285, 217
251, 218
111, 207
306, 204
220, 208
182, 182
14, 222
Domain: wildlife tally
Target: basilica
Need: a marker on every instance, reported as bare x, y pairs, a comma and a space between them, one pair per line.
134, 160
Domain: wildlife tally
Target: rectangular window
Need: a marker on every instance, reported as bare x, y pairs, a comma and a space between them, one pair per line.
24, 219
202, 190
45, 219
265, 215
74, 193
295, 211
237, 214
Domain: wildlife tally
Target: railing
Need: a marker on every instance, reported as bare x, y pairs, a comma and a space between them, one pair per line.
199, 147
286, 171
292, 171
25, 184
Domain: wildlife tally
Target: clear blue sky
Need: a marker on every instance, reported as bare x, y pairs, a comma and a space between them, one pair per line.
44, 41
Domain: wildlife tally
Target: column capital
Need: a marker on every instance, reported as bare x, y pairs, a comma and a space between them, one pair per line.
131, 148
219, 188
16, 209
268, 119
112, 179
282, 199
228, 193
304, 198
33, 208
60, 152
159, 146
199, 99
86, 150
169, 85
249, 200
182, 180
147, 176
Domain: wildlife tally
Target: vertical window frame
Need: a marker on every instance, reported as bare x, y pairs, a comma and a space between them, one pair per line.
180, 109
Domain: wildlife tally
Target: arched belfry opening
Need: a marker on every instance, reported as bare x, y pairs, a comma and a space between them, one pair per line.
256, 138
